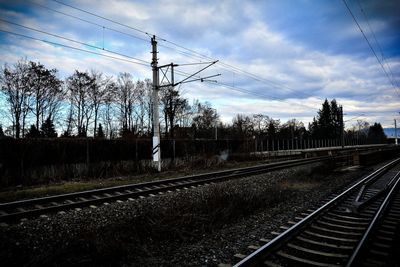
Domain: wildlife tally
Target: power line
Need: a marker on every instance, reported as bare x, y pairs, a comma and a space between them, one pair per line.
74, 41
111, 29
88, 21
242, 90
239, 89
376, 41
101, 17
71, 47
200, 55
369, 44
240, 71
191, 52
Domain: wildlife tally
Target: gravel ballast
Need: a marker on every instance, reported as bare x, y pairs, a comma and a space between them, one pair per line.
204, 226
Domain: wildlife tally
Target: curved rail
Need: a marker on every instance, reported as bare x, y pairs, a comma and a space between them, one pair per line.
356, 256
281, 240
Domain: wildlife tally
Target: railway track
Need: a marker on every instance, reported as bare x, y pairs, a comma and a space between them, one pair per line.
357, 227
13, 211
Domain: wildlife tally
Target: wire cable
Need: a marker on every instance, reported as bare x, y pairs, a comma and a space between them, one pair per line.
74, 41
88, 21
190, 52
369, 44
72, 47
377, 43
200, 55
101, 17
242, 90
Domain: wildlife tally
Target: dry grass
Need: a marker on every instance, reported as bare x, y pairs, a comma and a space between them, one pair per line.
63, 187
126, 232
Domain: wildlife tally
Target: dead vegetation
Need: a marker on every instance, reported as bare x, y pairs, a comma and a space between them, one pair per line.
134, 231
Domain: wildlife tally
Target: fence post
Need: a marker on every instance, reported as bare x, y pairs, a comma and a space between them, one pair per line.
87, 152
173, 149
136, 151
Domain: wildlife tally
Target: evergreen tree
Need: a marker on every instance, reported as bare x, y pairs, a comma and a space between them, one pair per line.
376, 134
271, 130
327, 125
100, 133
1, 131
48, 129
325, 120
33, 132
336, 120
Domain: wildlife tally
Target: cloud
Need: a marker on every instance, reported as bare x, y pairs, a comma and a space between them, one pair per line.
297, 55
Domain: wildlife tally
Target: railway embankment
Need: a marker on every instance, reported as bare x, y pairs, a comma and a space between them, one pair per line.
200, 226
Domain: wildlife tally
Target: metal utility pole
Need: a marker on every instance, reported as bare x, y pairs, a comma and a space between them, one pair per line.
156, 119
342, 126
170, 82
395, 132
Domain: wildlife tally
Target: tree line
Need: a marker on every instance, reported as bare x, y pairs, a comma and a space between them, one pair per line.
38, 103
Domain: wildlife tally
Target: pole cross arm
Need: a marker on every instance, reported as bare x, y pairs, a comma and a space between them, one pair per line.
171, 81
203, 79
190, 76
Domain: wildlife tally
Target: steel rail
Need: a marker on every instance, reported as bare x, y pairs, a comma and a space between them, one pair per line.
355, 257
142, 189
158, 182
254, 258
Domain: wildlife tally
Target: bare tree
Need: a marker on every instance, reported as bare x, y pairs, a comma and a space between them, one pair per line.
109, 111
46, 92
15, 86
79, 84
184, 115
97, 94
206, 116
172, 104
126, 98
260, 123
242, 125
140, 109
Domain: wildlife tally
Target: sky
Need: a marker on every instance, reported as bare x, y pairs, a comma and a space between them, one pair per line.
281, 58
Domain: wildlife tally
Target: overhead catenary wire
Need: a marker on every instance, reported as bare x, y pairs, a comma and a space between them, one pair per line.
109, 28
71, 47
198, 54
88, 21
190, 53
104, 18
226, 66
377, 43
74, 41
246, 91
239, 89
369, 44
242, 90
113, 29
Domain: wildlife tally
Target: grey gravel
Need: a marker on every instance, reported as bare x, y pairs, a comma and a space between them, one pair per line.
204, 226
